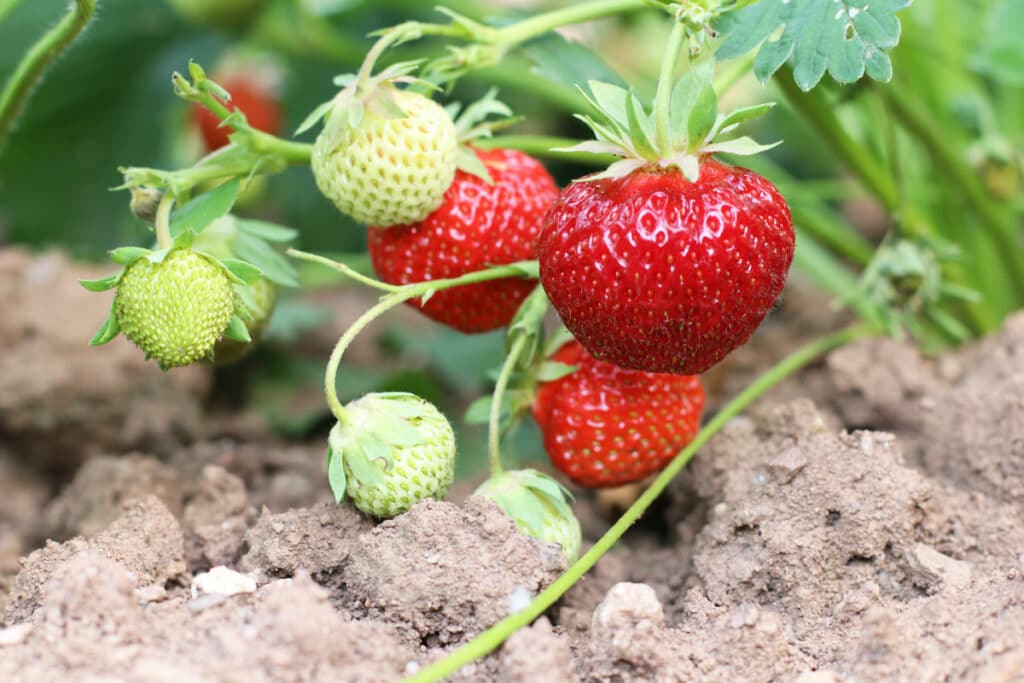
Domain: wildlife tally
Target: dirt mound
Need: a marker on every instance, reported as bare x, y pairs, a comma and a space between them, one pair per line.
60, 401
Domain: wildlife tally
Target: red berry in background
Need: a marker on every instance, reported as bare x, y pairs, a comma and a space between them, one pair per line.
653, 272
255, 100
607, 426
477, 225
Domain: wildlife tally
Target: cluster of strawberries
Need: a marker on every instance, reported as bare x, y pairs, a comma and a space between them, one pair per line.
657, 275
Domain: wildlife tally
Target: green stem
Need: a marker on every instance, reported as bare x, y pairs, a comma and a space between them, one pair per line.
526, 269
163, 222
6, 6
856, 155
35, 61
663, 98
574, 14
1002, 227
492, 638
494, 419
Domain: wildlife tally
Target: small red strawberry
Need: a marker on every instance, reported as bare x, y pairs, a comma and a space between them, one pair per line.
670, 259
477, 225
254, 99
607, 426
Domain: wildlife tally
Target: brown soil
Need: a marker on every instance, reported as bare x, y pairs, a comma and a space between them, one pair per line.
864, 522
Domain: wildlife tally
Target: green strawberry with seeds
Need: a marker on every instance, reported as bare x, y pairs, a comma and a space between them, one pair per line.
391, 451
176, 309
391, 164
540, 507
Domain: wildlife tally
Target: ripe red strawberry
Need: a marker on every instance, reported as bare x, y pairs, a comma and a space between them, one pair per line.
477, 225
667, 260
654, 272
255, 100
607, 426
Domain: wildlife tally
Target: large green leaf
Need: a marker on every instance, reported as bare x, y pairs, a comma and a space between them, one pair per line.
844, 37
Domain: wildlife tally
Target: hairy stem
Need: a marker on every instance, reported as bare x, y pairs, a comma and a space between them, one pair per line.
1001, 226
574, 14
494, 419
663, 98
35, 61
820, 114
402, 294
492, 638
163, 222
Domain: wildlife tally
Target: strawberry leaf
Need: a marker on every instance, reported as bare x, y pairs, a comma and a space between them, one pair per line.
844, 37
204, 209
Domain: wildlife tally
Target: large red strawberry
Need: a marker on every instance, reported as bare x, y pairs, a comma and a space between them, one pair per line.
477, 225
670, 259
606, 426
254, 99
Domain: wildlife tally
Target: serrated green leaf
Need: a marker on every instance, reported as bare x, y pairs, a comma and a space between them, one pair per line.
126, 256
111, 328
842, 37
102, 284
205, 209
336, 475
566, 64
270, 232
237, 330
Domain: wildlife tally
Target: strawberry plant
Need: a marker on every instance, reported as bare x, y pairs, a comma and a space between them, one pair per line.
663, 253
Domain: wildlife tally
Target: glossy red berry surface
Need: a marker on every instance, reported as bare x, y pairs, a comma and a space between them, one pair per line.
477, 225
261, 110
654, 272
607, 426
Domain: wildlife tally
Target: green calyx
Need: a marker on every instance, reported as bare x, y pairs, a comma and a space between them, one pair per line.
625, 127
201, 287
539, 505
174, 304
471, 124
389, 452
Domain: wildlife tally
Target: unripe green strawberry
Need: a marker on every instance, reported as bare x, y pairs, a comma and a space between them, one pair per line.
260, 305
177, 309
223, 13
540, 507
387, 170
392, 451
